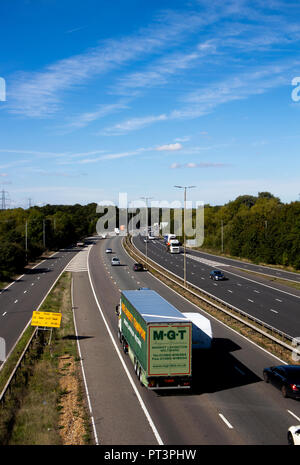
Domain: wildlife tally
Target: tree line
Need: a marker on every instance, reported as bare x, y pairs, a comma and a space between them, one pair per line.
26, 234
258, 228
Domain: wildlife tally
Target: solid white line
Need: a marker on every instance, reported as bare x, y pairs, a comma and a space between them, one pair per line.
82, 369
143, 406
295, 416
4, 313
262, 284
225, 421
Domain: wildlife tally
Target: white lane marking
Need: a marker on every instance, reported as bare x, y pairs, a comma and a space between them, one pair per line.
3, 314
225, 421
278, 300
295, 416
218, 321
82, 369
25, 292
257, 292
240, 371
229, 290
143, 406
251, 300
274, 311
16, 301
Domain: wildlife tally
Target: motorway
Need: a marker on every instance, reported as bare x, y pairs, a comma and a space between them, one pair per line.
23, 296
276, 305
229, 403
262, 269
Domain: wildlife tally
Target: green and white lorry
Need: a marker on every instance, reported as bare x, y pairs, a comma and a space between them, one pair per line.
157, 338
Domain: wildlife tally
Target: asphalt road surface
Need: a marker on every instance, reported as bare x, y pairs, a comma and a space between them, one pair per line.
23, 296
276, 305
229, 403
263, 269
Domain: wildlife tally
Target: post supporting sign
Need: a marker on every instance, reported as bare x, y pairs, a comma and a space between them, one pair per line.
46, 320
2, 349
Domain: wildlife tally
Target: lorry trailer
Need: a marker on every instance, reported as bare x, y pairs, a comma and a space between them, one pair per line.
157, 338
201, 331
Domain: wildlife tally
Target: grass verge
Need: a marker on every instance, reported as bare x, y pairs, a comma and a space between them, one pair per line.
46, 404
272, 279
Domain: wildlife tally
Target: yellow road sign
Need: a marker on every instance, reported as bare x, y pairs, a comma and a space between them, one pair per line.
47, 319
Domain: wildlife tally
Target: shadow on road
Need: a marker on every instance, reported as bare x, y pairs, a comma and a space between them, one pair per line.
217, 371
73, 337
36, 271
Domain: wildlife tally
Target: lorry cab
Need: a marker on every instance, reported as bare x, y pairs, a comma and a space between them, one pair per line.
174, 248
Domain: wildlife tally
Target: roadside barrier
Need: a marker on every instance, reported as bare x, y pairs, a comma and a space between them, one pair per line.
211, 302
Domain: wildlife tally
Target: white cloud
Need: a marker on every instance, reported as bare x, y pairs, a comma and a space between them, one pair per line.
170, 147
132, 125
199, 165
83, 119
39, 94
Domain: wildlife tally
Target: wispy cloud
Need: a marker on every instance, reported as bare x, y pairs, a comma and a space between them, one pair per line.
84, 119
204, 100
199, 165
39, 94
132, 125
169, 147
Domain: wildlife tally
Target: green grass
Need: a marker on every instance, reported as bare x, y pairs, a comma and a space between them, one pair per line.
32, 411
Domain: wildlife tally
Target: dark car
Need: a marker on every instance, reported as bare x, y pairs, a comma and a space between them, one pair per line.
216, 275
284, 377
138, 267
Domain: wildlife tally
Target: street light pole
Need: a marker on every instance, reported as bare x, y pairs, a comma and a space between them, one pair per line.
184, 245
146, 200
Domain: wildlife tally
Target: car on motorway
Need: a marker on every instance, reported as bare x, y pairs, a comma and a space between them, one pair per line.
115, 261
284, 377
217, 275
108, 250
293, 435
138, 267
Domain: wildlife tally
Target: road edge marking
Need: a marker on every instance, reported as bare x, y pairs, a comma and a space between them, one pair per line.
82, 368
143, 406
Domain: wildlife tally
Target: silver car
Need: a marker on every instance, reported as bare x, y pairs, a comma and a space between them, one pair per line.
115, 261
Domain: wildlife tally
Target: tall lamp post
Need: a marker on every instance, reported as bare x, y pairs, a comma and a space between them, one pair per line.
184, 245
146, 200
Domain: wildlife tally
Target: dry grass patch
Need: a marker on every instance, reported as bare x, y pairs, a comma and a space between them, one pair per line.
72, 416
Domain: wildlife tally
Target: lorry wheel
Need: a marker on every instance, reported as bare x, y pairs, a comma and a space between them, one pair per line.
124, 347
139, 374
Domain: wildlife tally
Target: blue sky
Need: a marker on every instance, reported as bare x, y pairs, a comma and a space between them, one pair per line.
138, 96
